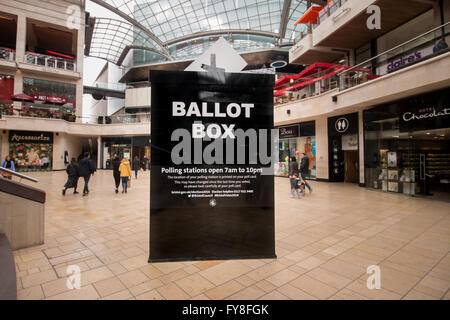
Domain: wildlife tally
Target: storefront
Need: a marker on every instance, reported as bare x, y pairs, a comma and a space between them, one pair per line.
125, 147
407, 145
343, 146
294, 140
51, 99
31, 151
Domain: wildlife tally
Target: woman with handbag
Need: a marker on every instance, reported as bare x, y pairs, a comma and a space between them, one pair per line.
125, 174
8, 164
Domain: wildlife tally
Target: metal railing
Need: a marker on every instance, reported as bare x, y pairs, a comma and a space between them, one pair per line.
329, 9
49, 61
20, 175
326, 12
46, 111
123, 118
412, 51
111, 86
315, 88
7, 54
400, 56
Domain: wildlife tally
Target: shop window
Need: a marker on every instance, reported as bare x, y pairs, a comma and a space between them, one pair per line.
302, 141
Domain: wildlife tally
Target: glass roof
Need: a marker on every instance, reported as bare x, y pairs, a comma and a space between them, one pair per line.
111, 37
160, 24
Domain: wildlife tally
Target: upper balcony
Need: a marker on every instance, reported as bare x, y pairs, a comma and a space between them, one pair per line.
52, 65
342, 25
37, 46
119, 125
414, 67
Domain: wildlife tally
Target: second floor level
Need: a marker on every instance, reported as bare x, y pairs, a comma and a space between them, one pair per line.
42, 36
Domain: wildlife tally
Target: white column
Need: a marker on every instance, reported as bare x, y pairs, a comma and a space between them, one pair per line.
361, 146
79, 67
21, 37
99, 152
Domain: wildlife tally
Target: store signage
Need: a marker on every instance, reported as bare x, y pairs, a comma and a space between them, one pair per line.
431, 111
211, 192
30, 136
51, 99
425, 113
407, 59
288, 132
404, 60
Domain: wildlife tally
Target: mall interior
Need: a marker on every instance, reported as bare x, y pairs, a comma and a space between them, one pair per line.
362, 89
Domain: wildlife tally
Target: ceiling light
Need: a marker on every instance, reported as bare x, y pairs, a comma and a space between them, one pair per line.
428, 133
396, 136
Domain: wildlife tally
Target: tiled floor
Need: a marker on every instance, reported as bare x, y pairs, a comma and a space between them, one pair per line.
325, 242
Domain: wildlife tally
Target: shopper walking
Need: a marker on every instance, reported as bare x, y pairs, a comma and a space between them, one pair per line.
304, 170
86, 168
125, 173
72, 177
116, 172
8, 164
136, 165
293, 175
145, 163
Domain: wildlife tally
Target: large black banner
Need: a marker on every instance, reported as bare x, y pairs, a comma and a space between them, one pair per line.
211, 192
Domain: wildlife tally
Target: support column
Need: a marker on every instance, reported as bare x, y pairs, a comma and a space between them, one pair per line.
79, 34
361, 147
99, 152
21, 38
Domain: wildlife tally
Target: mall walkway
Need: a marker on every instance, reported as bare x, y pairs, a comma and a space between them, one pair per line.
325, 242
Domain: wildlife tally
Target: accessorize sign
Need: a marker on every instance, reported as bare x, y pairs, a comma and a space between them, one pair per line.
30, 136
431, 111
211, 191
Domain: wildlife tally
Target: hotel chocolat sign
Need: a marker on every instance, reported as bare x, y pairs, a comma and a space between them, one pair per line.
30, 136
431, 111
211, 192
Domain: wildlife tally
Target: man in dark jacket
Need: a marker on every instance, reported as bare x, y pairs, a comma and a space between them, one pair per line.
72, 177
116, 172
86, 168
304, 170
136, 165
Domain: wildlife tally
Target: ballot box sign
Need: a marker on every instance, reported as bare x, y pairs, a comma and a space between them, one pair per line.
212, 148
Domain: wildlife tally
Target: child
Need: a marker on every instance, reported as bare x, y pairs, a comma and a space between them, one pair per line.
300, 186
